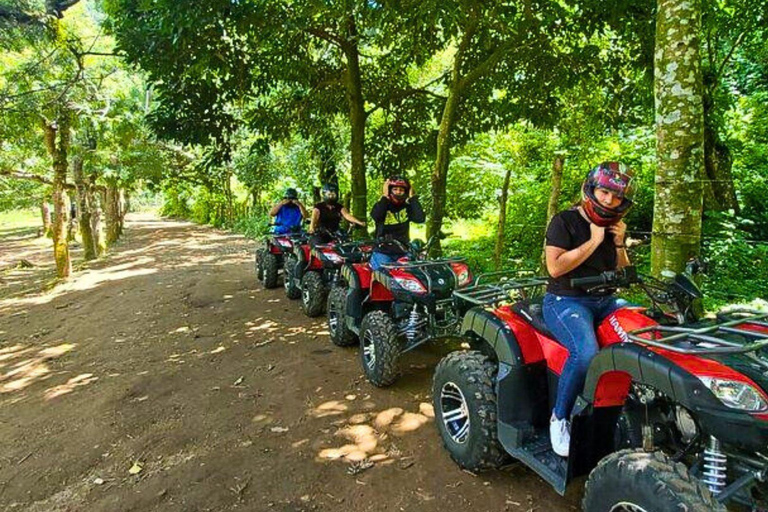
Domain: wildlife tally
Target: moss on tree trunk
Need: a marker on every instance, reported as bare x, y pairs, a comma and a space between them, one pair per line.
680, 136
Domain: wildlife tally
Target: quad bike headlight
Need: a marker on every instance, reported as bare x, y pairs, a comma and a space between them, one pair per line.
284, 243
463, 275
410, 285
332, 256
736, 395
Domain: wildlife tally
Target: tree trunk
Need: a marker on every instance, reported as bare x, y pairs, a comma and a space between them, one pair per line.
120, 211
98, 239
499, 249
443, 160
554, 198
45, 212
58, 151
679, 136
112, 213
84, 207
357, 118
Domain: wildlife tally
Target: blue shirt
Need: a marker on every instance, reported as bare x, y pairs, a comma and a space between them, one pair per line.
288, 219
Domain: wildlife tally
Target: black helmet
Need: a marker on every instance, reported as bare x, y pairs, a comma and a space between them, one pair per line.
290, 193
613, 176
330, 193
399, 181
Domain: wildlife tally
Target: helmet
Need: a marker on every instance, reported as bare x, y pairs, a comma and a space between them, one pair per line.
615, 177
399, 181
330, 193
290, 193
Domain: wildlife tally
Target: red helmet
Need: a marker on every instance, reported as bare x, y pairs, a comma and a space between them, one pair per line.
399, 181
615, 177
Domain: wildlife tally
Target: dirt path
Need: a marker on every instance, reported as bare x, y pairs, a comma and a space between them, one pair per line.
168, 355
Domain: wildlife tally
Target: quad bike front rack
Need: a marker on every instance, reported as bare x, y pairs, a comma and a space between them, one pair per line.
730, 334
508, 287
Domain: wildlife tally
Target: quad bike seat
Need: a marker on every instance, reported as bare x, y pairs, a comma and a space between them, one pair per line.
531, 311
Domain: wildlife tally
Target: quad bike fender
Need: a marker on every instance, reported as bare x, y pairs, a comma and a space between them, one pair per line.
482, 324
616, 366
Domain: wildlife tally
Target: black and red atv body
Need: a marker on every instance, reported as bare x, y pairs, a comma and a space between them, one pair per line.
314, 268
691, 395
270, 258
396, 308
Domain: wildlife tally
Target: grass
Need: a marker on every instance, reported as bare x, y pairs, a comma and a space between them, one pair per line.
19, 222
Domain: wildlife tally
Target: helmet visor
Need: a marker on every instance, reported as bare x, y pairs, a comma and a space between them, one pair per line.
615, 180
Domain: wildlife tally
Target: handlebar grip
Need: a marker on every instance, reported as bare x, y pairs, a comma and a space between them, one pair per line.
578, 282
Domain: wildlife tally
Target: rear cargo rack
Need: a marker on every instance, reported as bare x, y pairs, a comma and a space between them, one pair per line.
507, 289
728, 335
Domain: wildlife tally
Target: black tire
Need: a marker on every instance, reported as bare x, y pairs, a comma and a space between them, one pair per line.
269, 265
289, 267
380, 348
463, 382
314, 293
259, 264
341, 336
647, 481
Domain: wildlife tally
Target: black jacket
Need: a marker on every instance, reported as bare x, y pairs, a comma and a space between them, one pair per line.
394, 220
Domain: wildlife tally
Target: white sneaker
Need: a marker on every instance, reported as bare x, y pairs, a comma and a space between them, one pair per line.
560, 435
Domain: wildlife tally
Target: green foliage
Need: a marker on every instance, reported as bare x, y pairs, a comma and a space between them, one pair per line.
738, 267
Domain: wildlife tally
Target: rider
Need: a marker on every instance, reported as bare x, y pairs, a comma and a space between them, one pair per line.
583, 241
393, 213
327, 215
288, 213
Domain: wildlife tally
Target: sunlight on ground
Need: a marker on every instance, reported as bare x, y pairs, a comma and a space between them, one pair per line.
25, 372
366, 434
81, 380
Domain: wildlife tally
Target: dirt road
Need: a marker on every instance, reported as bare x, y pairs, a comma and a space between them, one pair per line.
165, 378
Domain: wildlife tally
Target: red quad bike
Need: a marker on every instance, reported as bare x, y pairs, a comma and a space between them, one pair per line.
314, 268
673, 415
397, 308
269, 259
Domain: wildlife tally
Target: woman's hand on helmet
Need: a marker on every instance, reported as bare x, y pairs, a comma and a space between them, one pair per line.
411, 192
618, 230
385, 190
597, 233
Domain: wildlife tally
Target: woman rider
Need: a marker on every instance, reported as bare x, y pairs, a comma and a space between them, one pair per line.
393, 213
327, 215
583, 241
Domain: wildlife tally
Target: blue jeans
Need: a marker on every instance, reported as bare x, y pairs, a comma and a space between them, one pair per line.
379, 258
573, 320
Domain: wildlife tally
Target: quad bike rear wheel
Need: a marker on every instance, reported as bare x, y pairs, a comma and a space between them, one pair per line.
638, 481
380, 348
464, 399
313, 294
269, 266
289, 268
341, 336
260, 264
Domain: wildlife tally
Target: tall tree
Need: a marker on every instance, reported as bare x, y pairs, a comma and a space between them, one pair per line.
679, 135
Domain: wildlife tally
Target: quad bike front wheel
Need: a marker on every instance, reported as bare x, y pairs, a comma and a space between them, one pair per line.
638, 481
464, 399
313, 294
289, 268
341, 336
380, 348
269, 265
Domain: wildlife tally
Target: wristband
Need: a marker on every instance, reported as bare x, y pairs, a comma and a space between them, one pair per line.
621, 246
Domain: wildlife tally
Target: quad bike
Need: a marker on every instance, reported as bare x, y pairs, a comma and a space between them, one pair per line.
397, 308
313, 268
270, 258
673, 415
